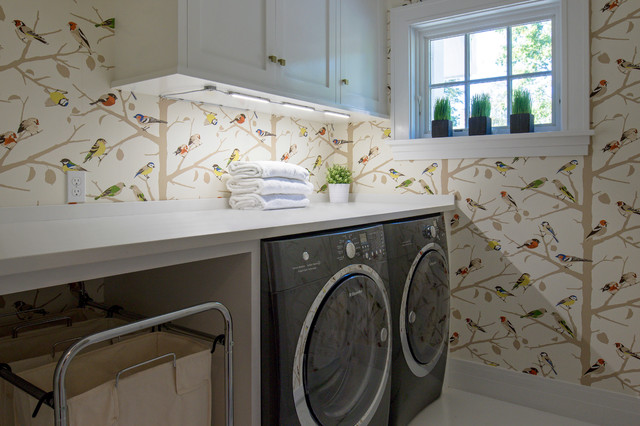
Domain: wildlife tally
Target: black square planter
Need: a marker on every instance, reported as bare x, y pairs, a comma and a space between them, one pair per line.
521, 123
479, 126
441, 128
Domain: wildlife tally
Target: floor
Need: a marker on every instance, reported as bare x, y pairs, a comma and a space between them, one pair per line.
459, 408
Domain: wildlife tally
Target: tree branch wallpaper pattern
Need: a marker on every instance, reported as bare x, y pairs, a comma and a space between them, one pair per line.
544, 251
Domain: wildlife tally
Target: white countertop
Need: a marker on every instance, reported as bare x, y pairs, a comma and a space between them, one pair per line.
38, 239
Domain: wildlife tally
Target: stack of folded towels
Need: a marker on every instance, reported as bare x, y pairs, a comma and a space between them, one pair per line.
268, 185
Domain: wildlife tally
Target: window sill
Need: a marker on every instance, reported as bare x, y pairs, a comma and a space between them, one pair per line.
544, 144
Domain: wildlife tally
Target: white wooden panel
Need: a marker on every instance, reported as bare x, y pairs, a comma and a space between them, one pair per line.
232, 39
306, 40
149, 45
362, 54
549, 144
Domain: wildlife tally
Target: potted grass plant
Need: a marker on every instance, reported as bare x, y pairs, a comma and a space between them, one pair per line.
441, 125
339, 180
521, 119
480, 120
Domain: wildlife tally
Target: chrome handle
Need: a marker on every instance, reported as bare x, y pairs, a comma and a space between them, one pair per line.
14, 332
273, 58
345, 81
145, 363
53, 347
282, 62
26, 311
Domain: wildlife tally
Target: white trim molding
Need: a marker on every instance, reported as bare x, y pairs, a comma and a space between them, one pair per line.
494, 146
573, 54
584, 403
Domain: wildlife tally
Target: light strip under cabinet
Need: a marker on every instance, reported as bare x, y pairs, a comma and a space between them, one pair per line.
249, 98
300, 107
337, 114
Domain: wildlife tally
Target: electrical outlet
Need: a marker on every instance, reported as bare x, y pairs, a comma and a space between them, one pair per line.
75, 187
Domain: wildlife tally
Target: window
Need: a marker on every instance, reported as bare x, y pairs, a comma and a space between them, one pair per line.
463, 47
495, 61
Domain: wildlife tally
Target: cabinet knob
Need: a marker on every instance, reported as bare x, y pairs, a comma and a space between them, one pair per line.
282, 62
273, 58
345, 81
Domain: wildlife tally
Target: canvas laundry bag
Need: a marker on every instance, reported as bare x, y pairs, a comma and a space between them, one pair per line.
154, 394
40, 347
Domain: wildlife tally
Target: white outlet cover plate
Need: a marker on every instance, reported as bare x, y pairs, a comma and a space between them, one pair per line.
76, 189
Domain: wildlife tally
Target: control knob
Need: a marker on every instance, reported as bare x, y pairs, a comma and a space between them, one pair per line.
430, 231
350, 249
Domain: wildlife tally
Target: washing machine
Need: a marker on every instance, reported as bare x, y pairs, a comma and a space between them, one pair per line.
326, 329
419, 287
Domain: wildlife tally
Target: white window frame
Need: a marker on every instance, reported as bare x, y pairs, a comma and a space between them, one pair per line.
571, 63
513, 18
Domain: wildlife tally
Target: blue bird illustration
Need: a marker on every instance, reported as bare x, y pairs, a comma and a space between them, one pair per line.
145, 170
545, 227
544, 358
70, 165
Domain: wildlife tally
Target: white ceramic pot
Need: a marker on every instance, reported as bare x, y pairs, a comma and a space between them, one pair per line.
339, 192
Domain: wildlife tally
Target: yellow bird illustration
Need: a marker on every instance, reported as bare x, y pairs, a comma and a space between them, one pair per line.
318, 162
145, 170
210, 119
97, 150
235, 156
59, 97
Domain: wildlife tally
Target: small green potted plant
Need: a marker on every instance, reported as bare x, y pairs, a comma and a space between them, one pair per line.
480, 120
521, 119
441, 125
339, 181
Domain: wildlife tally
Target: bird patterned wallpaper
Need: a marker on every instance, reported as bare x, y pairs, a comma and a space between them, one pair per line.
544, 251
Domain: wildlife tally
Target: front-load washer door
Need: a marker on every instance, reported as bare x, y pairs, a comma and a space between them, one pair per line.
343, 357
424, 313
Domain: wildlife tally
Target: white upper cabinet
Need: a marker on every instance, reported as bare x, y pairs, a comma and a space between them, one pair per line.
362, 73
306, 35
282, 50
232, 39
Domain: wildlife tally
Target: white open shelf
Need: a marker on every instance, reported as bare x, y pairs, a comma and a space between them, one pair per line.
549, 144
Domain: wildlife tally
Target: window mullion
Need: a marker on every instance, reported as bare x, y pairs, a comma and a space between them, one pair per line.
509, 75
467, 79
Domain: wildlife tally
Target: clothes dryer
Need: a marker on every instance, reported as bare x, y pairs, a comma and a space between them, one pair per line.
326, 329
419, 286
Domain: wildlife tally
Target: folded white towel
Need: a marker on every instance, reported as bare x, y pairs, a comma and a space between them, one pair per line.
268, 186
266, 169
267, 202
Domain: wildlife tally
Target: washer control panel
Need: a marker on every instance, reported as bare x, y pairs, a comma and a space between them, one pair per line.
365, 244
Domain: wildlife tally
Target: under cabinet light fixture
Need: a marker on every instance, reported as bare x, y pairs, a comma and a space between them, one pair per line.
337, 114
300, 107
249, 97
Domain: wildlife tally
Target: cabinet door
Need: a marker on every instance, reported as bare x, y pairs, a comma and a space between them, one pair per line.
232, 40
306, 41
362, 44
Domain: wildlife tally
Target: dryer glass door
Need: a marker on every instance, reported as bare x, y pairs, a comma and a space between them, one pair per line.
347, 351
427, 308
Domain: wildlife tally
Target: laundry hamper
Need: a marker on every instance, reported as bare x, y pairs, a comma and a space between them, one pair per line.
102, 388
40, 347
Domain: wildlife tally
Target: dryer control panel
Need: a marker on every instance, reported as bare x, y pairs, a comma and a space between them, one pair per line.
363, 244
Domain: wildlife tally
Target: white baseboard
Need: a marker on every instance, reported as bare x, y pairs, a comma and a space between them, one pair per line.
553, 396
